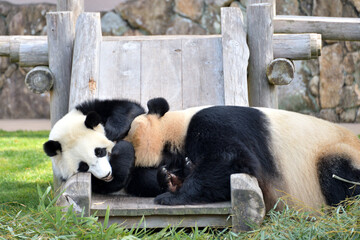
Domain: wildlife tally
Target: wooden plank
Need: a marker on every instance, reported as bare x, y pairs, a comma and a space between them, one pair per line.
75, 6
202, 72
235, 57
260, 32
120, 70
134, 206
221, 221
331, 28
86, 59
33, 54
161, 71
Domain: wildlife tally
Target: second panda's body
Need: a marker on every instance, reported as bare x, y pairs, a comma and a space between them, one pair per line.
287, 152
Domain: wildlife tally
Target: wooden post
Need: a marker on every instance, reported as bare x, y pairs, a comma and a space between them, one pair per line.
86, 60
74, 6
260, 33
235, 57
248, 206
281, 71
39, 80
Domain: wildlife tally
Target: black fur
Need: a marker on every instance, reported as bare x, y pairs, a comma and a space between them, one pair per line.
116, 115
336, 190
92, 120
83, 167
136, 181
51, 147
220, 141
158, 106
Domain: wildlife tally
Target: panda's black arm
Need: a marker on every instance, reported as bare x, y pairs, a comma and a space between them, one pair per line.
121, 161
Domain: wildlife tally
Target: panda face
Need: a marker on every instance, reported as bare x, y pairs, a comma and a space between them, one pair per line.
77, 143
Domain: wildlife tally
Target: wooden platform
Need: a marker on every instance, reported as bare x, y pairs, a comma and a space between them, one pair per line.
129, 211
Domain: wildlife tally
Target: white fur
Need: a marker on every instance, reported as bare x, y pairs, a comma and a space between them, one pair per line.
78, 144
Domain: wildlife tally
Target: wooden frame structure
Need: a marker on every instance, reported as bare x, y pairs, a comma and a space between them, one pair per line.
187, 70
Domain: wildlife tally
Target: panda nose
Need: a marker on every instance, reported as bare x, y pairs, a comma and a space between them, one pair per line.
109, 177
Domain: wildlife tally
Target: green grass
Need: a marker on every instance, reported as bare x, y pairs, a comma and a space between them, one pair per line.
27, 208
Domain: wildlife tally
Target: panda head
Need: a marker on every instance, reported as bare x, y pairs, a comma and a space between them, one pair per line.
77, 143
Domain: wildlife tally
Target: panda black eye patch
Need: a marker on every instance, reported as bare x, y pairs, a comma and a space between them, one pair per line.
100, 152
83, 167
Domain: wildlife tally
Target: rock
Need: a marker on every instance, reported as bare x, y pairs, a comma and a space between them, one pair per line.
349, 10
10, 70
192, 9
314, 86
348, 115
17, 24
349, 80
152, 16
352, 46
287, 7
329, 114
356, 4
331, 76
5, 8
3, 28
306, 7
218, 3
348, 64
112, 24
350, 96
211, 20
185, 26
328, 8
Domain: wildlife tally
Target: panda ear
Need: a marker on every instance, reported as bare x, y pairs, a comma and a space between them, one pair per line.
51, 147
92, 120
158, 106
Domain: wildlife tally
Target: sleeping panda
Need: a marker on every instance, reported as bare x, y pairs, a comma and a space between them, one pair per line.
289, 153
89, 139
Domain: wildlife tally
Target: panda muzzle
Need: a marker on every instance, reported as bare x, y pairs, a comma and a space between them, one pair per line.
108, 177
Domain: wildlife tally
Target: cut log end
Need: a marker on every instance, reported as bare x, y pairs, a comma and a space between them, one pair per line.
39, 80
280, 71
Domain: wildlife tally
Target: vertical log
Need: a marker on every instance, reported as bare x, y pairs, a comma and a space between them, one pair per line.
235, 57
74, 6
260, 33
86, 59
61, 32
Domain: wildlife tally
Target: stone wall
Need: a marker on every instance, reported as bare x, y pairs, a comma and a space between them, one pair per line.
328, 87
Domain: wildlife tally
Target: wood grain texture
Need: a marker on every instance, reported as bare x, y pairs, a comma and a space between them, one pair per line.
260, 33
33, 54
74, 6
86, 59
39, 79
235, 57
331, 28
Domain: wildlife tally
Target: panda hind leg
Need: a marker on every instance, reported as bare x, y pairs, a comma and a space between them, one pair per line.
335, 190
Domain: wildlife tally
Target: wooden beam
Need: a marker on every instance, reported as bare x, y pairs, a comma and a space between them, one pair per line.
281, 71
331, 28
86, 59
260, 41
74, 6
235, 57
39, 80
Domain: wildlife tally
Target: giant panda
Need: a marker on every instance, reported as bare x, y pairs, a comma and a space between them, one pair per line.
90, 139
289, 153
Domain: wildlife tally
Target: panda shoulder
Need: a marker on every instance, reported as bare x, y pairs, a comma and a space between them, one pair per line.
158, 106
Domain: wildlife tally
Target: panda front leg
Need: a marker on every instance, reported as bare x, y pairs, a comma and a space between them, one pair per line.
121, 160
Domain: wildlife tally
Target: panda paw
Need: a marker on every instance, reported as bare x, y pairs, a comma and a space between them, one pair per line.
168, 199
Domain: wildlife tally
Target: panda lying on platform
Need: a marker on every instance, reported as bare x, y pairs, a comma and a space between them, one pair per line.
288, 153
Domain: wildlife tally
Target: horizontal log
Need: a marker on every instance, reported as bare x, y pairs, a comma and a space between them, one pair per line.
39, 80
331, 28
281, 71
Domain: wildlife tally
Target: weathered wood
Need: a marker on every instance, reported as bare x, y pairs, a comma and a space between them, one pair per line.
33, 54
39, 79
129, 211
331, 28
161, 75
61, 32
260, 32
76, 191
297, 46
10, 45
86, 59
235, 57
281, 71
74, 6
248, 206
120, 70
202, 72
